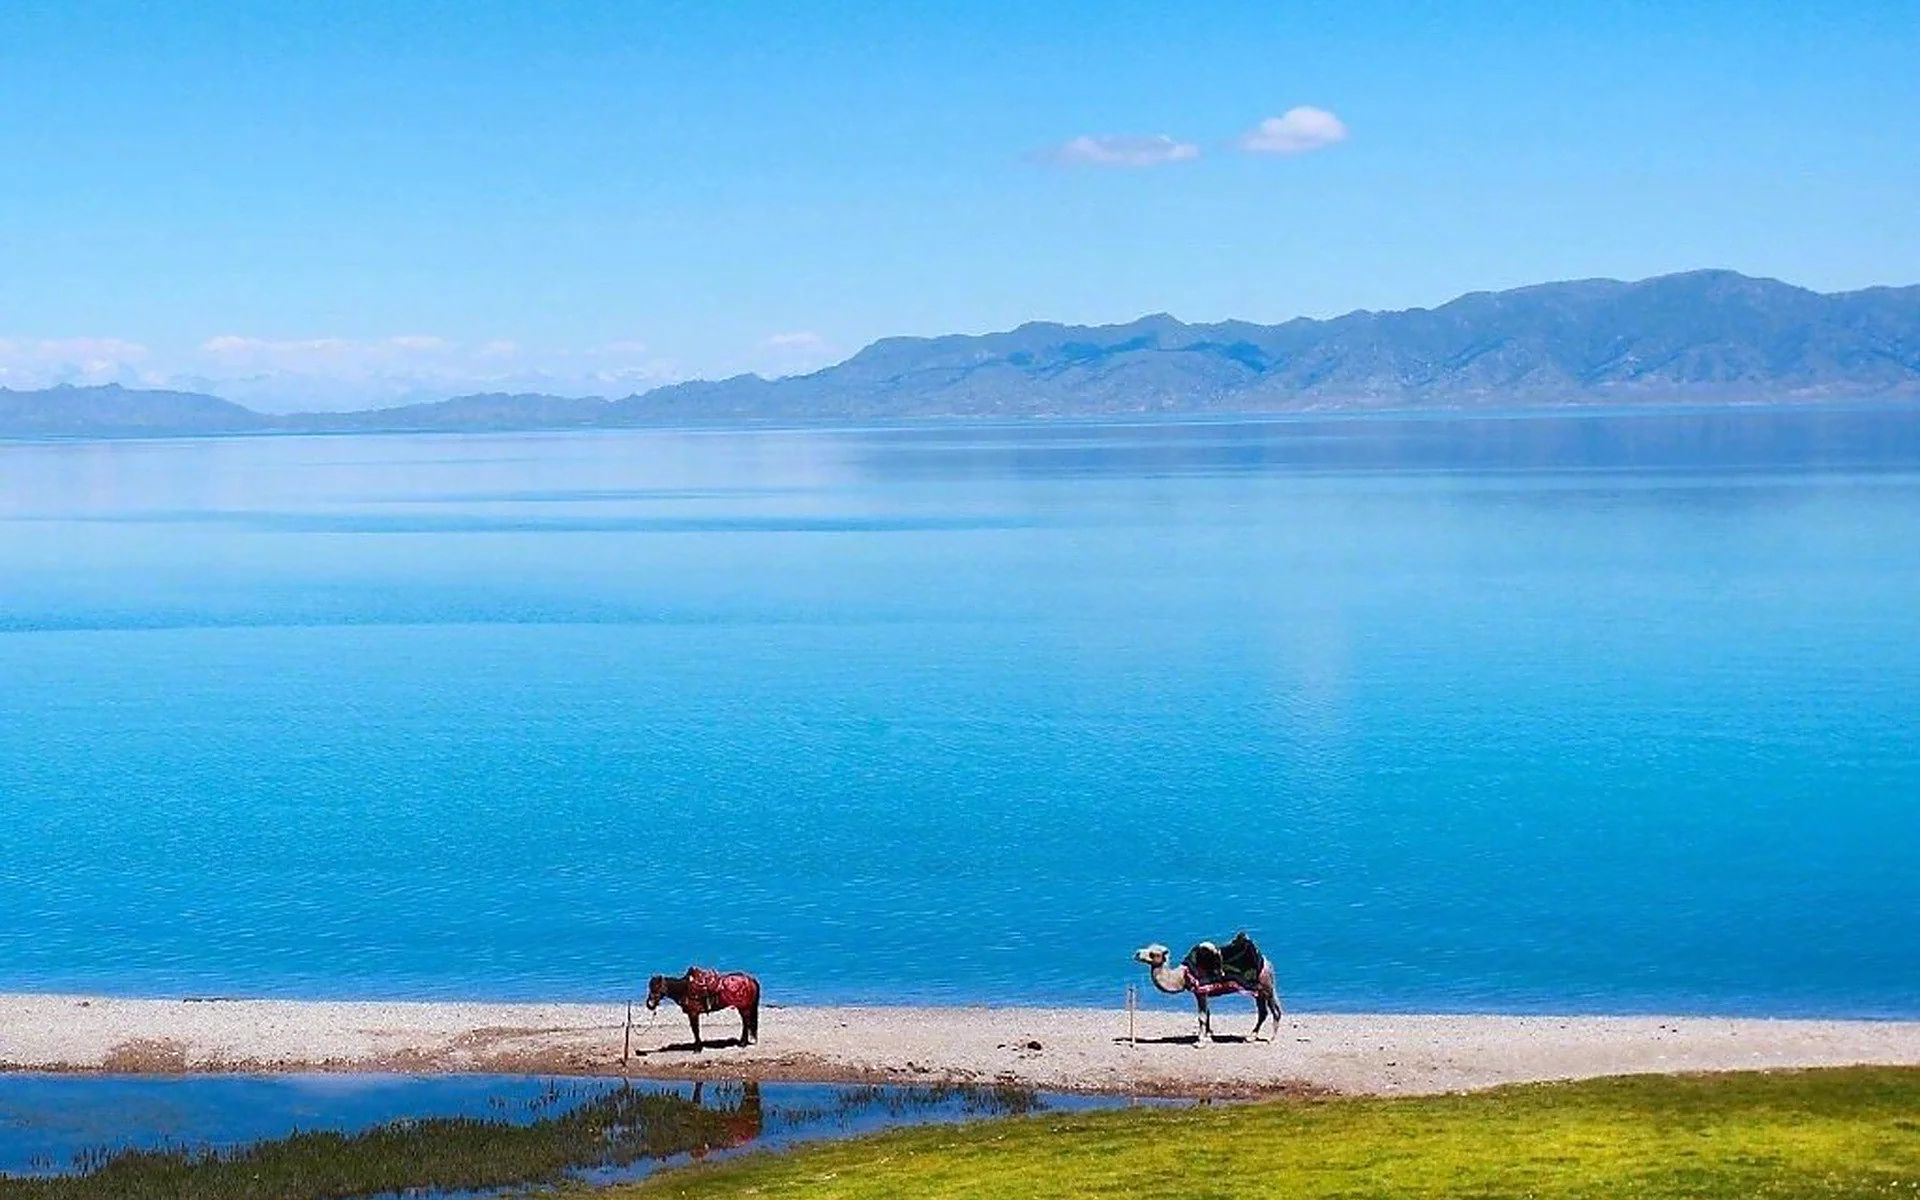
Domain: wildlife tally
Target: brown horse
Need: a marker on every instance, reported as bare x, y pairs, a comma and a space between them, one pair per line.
702, 991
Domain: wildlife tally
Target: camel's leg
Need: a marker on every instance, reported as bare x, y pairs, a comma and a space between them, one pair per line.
693, 1019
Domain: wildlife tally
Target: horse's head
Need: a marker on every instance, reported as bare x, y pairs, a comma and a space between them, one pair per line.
1154, 956
656, 991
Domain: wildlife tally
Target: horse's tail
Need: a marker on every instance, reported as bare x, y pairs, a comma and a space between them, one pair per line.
743, 993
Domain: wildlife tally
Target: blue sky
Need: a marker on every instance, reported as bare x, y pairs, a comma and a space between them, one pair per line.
352, 203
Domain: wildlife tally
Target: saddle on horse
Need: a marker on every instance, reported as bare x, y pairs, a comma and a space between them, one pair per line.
710, 991
1236, 968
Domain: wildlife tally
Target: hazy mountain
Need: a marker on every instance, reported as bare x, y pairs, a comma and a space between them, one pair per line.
494, 410
1704, 336
114, 411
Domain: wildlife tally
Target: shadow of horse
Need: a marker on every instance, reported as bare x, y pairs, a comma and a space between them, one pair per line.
693, 1047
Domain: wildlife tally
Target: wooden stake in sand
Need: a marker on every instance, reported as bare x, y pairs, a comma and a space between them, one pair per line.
626, 1047
1133, 1002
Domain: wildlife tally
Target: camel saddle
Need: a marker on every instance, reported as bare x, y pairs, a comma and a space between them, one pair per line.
1233, 968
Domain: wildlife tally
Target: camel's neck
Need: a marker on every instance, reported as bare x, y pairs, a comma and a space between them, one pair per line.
1169, 979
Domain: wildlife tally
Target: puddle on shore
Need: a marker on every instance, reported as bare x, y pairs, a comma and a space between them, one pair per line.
66, 1124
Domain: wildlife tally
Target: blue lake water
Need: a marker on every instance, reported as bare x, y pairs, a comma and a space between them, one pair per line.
1599, 712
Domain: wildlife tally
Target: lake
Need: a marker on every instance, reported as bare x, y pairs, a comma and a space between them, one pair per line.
1593, 712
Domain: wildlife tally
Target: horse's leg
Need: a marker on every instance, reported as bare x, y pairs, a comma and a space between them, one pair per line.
693, 1019
750, 1023
1205, 1033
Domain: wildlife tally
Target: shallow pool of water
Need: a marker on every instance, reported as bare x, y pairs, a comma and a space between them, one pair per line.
63, 1124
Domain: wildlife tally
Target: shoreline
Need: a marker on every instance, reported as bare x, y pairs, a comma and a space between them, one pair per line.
1051, 1049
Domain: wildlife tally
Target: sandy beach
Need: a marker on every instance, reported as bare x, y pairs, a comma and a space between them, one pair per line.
1052, 1048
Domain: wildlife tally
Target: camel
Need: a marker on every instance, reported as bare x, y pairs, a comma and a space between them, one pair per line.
1174, 980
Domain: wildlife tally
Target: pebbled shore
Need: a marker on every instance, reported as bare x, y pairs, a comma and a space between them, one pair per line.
1072, 1049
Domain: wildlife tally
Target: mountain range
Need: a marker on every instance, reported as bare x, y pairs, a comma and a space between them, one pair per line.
1697, 337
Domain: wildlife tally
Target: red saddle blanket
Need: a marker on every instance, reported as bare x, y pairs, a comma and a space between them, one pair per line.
711, 991
1218, 987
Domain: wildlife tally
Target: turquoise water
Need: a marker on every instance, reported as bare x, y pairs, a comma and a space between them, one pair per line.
1585, 713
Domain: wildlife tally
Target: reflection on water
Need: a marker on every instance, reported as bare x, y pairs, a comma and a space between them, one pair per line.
596, 1130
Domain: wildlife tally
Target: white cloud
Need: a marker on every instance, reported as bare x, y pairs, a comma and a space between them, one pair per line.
1123, 150
234, 346
31, 363
348, 357
332, 372
801, 340
283, 374
1296, 131
93, 347
329, 372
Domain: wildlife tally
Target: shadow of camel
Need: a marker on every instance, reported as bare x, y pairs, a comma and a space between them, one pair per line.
1185, 1039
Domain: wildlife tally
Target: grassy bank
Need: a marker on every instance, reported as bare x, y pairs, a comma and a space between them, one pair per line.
1851, 1132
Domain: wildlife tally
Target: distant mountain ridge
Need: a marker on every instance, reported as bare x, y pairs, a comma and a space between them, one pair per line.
112, 411
1701, 336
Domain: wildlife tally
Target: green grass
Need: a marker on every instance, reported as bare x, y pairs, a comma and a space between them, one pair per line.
1838, 1133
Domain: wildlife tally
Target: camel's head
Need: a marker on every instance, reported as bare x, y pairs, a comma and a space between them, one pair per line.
1154, 956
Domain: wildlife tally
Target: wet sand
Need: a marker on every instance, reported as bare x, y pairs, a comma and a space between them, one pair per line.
1074, 1049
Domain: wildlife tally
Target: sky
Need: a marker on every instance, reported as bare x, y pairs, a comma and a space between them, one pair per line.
345, 204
